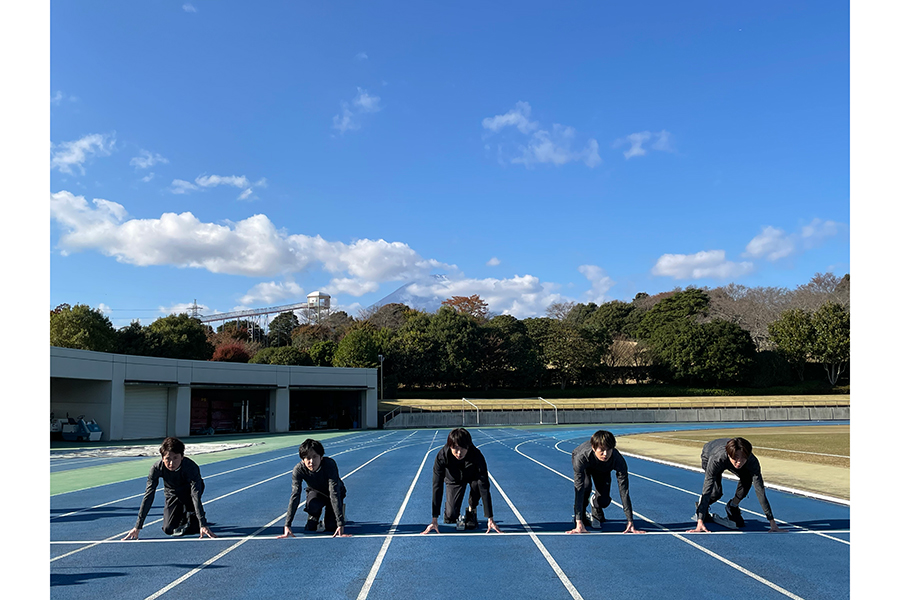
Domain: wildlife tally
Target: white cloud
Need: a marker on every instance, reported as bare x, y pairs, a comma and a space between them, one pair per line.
707, 264
552, 146
147, 159
636, 143
188, 7
148, 177
57, 98
522, 296
252, 247
771, 243
601, 283
517, 117
68, 155
493, 262
361, 56
180, 186
775, 244
363, 103
182, 307
216, 180
351, 286
271, 293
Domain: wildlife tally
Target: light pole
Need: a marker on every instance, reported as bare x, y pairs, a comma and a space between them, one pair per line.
381, 369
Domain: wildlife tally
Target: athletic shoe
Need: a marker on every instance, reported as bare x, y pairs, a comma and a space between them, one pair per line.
312, 524
461, 523
320, 526
588, 523
185, 527
597, 518
471, 518
734, 515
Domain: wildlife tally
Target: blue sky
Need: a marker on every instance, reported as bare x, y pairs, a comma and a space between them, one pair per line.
246, 154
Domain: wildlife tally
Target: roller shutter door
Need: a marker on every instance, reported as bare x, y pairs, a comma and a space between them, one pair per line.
146, 412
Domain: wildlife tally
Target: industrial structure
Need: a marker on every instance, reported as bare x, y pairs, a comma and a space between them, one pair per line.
316, 308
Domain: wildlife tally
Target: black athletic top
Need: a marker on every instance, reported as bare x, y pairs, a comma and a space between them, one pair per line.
585, 463
184, 482
326, 480
471, 469
717, 463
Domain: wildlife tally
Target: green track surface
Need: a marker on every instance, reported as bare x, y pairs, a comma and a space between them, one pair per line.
87, 477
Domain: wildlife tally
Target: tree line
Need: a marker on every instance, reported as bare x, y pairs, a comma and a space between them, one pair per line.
725, 336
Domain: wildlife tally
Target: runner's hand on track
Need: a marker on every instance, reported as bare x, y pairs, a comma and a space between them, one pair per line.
209, 534
287, 533
631, 529
132, 535
701, 528
339, 532
492, 525
579, 528
433, 526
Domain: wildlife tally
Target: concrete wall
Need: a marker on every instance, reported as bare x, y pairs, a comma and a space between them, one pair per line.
93, 384
662, 415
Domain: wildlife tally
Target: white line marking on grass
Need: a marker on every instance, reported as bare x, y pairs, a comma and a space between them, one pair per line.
665, 437
370, 579
690, 542
727, 475
553, 564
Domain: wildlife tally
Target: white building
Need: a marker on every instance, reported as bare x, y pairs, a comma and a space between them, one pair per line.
139, 397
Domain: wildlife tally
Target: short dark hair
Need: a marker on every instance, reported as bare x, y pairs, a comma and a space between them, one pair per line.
459, 437
173, 445
738, 445
311, 445
603, 438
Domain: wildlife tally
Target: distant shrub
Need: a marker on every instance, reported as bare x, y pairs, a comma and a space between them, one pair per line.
231, 352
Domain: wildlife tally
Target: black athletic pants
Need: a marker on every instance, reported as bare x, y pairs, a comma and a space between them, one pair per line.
316, 501
176, 511
743, 486
455, 492
601, 499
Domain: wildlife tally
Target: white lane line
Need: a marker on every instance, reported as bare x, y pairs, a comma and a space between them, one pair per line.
193, 572
119, 535
664, 437
340, 441
196, 570
553, 564
370, 579
81, 510
681, 537
780, 488
304, 539
727, 475
69, 514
